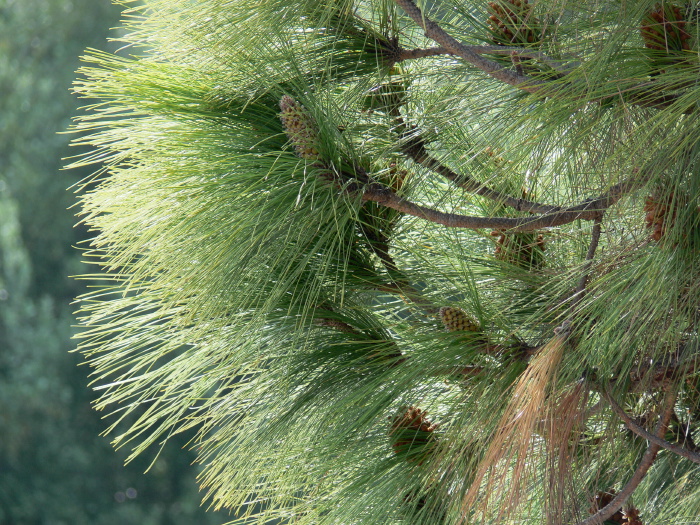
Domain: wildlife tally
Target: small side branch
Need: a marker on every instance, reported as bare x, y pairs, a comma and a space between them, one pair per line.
411, 54
341, 326
595, 239
644, 465
410, 294
453, 46
641, 432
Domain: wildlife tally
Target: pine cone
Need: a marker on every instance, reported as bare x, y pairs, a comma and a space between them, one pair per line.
512, 22
300, 128
660, 215
632, 516
522, 249
456, 320
602, 499
413, 418
411, 434
663, 29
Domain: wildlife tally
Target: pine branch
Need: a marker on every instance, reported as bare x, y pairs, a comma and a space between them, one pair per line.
587, 210
642, 95
453, 46
410, 54
641, 432
415, 149
215, 243
644, 465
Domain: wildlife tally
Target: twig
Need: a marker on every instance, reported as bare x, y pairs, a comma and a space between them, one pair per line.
634, 427
644, 465
451, 45
402, 54
595, 239
515, 59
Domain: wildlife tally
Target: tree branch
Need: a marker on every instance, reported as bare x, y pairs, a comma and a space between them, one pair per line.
641, 432
410, 54
453, 46
414, 148
587, 210
644, 465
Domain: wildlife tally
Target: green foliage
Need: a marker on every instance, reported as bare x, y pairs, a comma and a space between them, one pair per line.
277, 269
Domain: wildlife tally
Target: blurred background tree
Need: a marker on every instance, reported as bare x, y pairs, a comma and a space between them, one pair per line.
54, 467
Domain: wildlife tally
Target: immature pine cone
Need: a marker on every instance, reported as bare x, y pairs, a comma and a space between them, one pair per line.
300, 128
456, 320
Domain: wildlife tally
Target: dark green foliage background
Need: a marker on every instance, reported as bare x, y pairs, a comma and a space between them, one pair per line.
54, 467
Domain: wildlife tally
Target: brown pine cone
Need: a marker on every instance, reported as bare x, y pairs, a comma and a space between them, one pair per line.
660, 215
632, 516
411, 434
512, 22
602, 499
663, 29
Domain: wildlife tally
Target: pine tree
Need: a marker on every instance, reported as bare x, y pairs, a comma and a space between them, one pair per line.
400, 261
